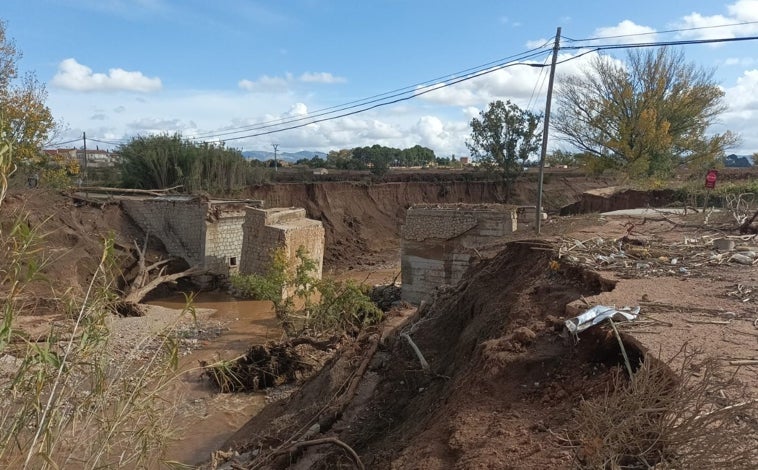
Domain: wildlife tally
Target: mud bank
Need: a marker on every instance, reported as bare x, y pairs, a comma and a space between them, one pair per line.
500, 377
362, 220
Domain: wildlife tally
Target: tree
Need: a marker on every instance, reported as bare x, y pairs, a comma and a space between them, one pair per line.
163, 161
645, 117
561, 157
25, 120
503, 138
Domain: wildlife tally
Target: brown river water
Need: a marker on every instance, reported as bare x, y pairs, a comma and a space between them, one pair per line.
205, 418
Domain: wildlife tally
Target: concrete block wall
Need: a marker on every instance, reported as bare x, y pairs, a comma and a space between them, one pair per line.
438, 243
178, 221
223, 242
266, 230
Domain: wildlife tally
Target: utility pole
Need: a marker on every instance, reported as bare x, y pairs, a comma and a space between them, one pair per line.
276, 146
545, 129
84, 136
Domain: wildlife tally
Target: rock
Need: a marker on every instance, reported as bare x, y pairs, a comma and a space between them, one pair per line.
741, 259
554, 322
723, 244
524, 335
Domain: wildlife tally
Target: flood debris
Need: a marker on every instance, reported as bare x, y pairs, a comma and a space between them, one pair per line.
599, 314
636, 258
269, 365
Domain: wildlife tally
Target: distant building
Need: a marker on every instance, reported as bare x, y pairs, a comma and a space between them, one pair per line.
96, 158
67, 153
463, 160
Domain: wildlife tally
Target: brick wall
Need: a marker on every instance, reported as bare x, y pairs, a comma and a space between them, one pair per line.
223, 242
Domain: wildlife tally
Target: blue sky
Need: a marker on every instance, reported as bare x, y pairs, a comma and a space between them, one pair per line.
120, 68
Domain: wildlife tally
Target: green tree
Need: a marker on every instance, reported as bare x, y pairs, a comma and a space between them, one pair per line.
164, 161
338, 158
416, 156
25, 120
504, 137
561, 157
645, 117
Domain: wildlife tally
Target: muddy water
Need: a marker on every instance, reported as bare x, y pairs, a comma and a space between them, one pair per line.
204, 418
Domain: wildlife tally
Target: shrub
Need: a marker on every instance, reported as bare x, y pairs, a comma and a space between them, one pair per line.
325, 305
668, 420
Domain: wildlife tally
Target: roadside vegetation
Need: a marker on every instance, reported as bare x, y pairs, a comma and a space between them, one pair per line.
305, 304
66, 401
313, 313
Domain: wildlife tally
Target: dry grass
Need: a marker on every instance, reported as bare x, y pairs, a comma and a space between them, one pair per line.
694, 417
65, 401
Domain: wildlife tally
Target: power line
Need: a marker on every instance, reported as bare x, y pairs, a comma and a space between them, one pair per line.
681, 30
387, 103
55, 144
432, 88
684, 42
375, 98
107, 142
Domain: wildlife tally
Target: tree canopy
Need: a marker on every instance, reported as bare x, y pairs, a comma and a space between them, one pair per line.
504, 137
164, 161
646, 116
25, 120
379, 158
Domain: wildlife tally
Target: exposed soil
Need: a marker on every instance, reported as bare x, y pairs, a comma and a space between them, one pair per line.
504, 382
362, 221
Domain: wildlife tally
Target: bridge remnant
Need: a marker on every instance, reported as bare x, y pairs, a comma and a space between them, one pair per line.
226, 237
439, 242
266, 230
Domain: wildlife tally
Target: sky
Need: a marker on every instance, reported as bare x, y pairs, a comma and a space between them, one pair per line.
241, 70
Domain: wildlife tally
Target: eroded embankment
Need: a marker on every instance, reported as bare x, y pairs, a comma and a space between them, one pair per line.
362, 221
502, 380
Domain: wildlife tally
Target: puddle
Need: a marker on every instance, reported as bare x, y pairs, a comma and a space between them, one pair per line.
205, 419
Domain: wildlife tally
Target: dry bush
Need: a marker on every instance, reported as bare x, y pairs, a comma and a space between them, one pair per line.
695, 417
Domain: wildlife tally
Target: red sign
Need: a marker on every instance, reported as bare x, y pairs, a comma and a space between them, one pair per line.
710, 179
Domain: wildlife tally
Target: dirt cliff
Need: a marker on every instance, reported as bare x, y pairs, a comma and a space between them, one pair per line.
362, 220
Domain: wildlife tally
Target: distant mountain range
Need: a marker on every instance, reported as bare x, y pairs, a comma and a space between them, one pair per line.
738, 161
286, 156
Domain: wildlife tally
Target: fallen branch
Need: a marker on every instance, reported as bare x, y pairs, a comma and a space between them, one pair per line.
424, 364
136, 296
727, 408
348, 397
149, 192
709, 322
744, 362
326, 440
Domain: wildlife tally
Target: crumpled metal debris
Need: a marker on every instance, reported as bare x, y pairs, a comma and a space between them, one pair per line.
599, 314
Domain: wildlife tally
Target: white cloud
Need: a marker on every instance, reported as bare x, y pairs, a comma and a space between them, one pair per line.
156, 125
739, 61
322, 77
739, 12
266, 84
537, 43
74, 76
626, 32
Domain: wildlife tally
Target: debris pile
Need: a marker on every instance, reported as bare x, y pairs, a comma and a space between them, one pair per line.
635, 258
